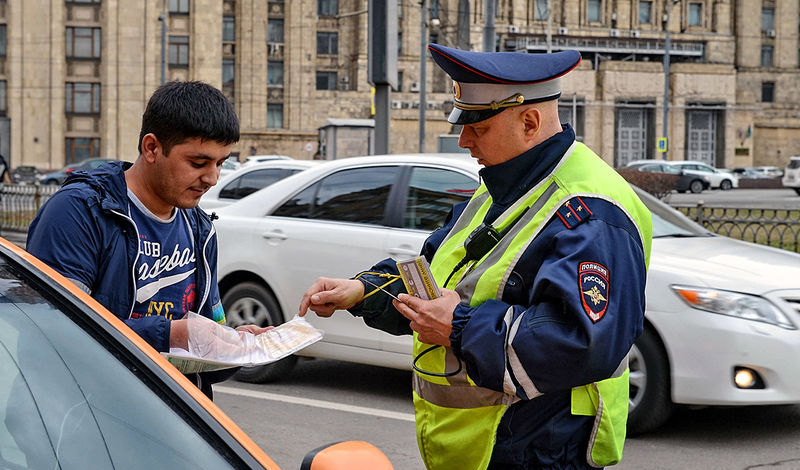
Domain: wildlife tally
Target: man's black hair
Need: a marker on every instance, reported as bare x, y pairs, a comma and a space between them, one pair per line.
181, 110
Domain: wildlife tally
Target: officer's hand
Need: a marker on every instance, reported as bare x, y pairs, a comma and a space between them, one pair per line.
254, 329
431, 319
327, 295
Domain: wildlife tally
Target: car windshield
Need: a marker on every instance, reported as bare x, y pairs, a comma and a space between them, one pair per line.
66, 401
668, 222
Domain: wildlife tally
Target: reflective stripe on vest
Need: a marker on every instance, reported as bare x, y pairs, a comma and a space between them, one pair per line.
457, 420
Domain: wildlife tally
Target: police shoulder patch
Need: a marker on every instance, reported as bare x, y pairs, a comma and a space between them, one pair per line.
573, 212
594, 288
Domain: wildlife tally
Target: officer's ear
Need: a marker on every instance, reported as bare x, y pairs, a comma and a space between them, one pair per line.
531, 118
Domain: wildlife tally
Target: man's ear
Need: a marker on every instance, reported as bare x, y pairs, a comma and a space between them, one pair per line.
532, 120
151, 147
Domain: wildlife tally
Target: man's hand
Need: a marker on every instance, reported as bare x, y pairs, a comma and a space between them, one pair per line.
431, 319
327, 295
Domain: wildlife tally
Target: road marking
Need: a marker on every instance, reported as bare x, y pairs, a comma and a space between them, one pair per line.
315, 403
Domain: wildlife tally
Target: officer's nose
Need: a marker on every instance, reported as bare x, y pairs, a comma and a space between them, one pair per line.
465, 138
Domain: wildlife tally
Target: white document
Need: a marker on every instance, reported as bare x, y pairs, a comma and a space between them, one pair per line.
275, 344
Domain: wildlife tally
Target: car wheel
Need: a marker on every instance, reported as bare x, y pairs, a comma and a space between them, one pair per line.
649, 404
725, 185
696, 186
251, 303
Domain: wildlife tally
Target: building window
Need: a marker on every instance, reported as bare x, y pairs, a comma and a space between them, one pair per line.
179, 51
695, 14
228, 29
767, 19
180, 7
573, 115
83, 1
83, 43
326, 80
327, 7
593, 11
81, 148
399, 43
434, 9
3, 100
275, 73
645, 12
83, 98
327, 43
275, 31
228, 77
433, 38
275, 115
766, 56
2, 40
767, 92
399, 82
541, 10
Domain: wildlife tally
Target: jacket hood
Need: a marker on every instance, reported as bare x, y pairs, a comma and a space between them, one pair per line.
109, 182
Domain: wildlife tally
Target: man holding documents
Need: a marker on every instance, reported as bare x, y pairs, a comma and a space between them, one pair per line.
132, 236
521, 361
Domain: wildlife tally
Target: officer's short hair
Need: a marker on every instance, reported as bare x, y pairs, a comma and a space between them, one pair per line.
181, 110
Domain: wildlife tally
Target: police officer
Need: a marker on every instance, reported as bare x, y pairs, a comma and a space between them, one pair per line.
521, 363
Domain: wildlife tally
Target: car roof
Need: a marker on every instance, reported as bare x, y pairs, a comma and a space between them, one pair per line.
279, 189
290, 164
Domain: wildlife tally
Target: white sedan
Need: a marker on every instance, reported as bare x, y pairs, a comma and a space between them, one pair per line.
722, 315
245, 180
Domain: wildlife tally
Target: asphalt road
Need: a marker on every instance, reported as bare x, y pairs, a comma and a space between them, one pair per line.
324, 401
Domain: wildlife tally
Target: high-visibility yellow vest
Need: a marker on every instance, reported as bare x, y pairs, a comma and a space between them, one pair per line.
457, 420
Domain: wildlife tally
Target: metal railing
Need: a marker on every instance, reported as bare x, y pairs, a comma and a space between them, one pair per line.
774, 227
19, 203
779, 228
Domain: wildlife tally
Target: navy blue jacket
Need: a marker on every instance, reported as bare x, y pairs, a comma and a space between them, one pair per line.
558, 345
83, 232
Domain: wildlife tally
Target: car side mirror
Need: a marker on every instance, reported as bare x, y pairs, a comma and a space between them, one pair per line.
347, 455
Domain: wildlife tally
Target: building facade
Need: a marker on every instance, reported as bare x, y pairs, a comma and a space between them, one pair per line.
75, 75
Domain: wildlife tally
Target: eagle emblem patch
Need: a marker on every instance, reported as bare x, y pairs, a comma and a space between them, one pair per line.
594, 288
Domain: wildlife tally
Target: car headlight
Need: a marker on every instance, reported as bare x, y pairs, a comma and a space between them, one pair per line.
734, 304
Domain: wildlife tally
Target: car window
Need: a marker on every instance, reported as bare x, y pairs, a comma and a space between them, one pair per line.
668, 222
352, 195
432, 192
251, 182
793, 164
67, 402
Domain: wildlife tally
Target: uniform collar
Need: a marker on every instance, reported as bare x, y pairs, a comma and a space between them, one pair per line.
507, 181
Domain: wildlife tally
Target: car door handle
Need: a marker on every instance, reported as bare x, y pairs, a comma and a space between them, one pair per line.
277, 235
403, 251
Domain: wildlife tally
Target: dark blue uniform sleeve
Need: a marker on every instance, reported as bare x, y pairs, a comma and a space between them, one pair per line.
553, 330
377, 309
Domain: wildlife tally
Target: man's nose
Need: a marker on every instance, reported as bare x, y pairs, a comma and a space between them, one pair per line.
211, 176
464, 139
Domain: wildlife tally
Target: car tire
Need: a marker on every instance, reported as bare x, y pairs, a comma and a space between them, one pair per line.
650, 405
696, 187
252, 303
725, 185
797, 190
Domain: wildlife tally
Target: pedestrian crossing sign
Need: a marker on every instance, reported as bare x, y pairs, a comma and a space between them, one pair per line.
662, 144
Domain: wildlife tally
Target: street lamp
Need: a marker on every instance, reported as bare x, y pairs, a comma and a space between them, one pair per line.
668, 7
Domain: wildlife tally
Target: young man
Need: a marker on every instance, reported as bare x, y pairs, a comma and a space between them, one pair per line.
132, 236
543, 274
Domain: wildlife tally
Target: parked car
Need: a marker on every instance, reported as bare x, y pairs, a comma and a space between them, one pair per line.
690, 181
253, 159
79, 389
718, 178
25, 174
791, 177
249, 179
721, 314
228, 167
750, 173
58, 177
770, 171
